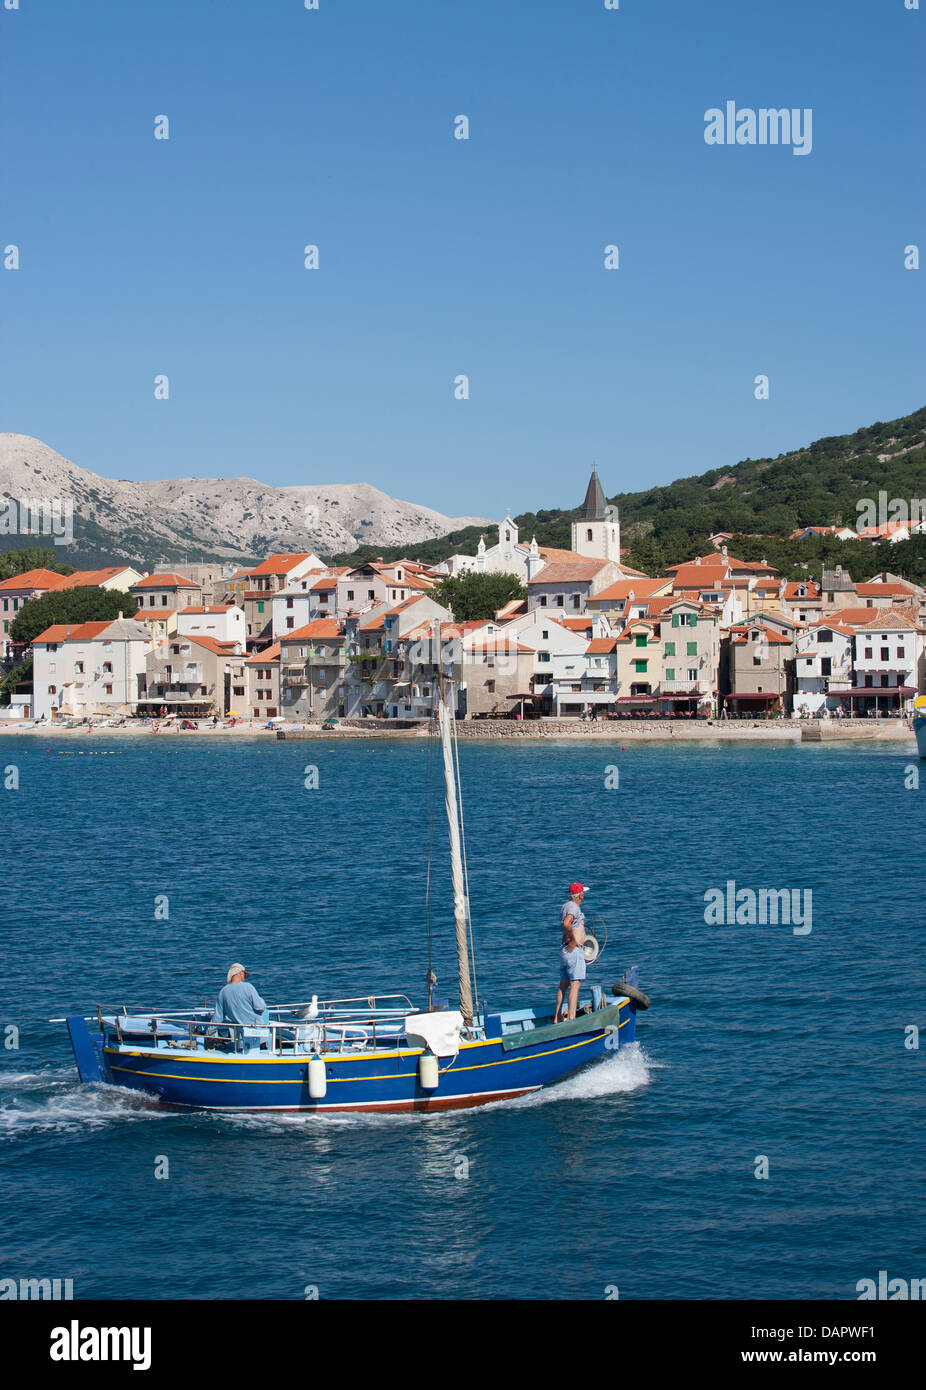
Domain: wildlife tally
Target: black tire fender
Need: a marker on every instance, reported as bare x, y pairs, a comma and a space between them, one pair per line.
635, 995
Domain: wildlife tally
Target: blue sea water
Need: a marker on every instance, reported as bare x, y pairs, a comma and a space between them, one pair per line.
637, 1174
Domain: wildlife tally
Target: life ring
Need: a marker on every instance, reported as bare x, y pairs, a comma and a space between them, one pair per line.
636, 995
590, 948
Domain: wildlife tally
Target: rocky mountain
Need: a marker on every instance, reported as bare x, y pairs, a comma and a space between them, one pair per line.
188, 519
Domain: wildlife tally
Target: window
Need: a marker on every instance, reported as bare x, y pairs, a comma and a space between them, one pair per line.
543, 600
543, 656
260, 606
576, 600
107, 668
885, 653
588, 533
757, 660
691, 649
545, 634
350, 593
163, 600
560, 600
108, 689
670, 673
692, 673
52, 690
289, 603
826, 666
824, 636
289, 622
490, 687
371, 593
670, 649
640, 641
79, 668
238, 689
868, 653
901, 652
640, 667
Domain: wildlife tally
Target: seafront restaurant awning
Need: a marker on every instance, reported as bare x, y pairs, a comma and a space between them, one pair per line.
176, 702
756, 695
635, 701
904, 691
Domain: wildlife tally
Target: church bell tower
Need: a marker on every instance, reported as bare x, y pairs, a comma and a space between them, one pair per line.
597, 530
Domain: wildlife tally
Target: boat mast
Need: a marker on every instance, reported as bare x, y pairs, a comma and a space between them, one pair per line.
452, 805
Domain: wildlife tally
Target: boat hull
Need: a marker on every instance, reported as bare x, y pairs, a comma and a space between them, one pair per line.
482, 1072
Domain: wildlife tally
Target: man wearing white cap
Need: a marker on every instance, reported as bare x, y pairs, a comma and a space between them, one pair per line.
571, 956
238, 1002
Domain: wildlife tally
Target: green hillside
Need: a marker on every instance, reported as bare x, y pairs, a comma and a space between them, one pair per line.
820, 485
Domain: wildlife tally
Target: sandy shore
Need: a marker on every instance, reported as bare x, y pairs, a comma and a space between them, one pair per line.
613, 731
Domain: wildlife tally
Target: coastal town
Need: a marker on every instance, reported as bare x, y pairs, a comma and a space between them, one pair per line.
294, 640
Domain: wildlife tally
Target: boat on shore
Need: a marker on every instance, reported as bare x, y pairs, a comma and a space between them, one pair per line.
919, 724
367, 1053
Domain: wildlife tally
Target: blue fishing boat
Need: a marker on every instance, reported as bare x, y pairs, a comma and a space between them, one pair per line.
369, 1053
919, 724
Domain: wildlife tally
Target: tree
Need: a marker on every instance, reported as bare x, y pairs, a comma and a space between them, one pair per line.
85, 605
472, 597
31, 557
20, 675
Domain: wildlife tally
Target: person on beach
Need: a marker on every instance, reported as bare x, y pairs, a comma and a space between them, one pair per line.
571, 956
238, 1002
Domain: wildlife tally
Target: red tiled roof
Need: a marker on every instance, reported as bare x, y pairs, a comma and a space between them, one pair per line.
623, 588
211, 645
166, 580
602, 644
280, 564
318, 628
73, 632
88, 579
36, 579
580, 570
888, 590
271, 654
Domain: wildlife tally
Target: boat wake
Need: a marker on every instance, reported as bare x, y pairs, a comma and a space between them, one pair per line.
626, 1071
54, 1102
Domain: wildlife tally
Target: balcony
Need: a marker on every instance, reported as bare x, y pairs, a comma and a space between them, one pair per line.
682, 688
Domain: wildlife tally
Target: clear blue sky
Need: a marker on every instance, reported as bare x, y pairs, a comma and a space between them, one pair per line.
441, 256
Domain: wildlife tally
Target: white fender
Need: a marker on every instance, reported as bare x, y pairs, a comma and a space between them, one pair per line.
428, 1071
318, 1082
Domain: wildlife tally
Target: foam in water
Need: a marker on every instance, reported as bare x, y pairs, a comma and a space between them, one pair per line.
624, 1071
53, 1101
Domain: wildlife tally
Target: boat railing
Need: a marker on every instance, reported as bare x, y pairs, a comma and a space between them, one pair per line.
368, 1002
319, 1034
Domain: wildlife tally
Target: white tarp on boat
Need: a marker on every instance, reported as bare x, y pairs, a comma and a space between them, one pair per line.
439, 1032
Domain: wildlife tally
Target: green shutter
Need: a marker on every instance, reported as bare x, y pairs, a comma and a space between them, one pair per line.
675, 618
670, 649
670, 673
692, 648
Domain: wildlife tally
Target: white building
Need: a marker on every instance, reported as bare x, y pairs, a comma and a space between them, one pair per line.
89, 668
823, 662
223, 621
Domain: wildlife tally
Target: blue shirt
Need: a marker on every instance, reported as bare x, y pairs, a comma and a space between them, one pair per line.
239, 1003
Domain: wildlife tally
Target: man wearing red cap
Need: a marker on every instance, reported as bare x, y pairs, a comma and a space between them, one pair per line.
571, 956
